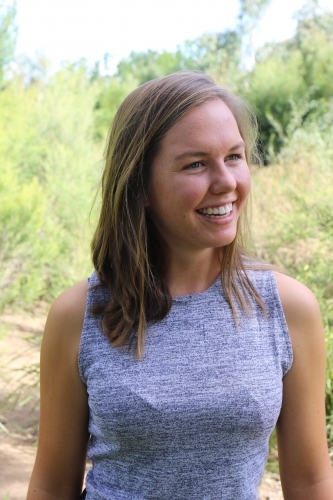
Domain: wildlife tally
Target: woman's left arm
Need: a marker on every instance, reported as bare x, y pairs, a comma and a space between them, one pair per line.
305, 468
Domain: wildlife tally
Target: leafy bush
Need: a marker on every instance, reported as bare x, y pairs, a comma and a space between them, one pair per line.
294, 222
48, 180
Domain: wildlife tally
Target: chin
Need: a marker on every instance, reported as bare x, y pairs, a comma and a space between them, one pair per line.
225, 241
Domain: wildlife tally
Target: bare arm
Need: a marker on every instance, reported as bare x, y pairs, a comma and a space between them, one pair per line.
63, 434
305, 468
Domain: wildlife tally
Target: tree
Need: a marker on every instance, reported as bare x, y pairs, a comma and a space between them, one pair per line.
291, 81
252, 10
8, 35
250, 14
145, 66
218, 54
314, 40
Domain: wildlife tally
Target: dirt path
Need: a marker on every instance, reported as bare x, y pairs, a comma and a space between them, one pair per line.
19, 353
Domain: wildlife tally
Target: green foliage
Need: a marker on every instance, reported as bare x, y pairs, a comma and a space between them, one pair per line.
23, 238
218, 54
8, 35
48, 179
215, 53
293, 71
294, 222
329, 382
111, 94
271, 90
144, 66
250, 13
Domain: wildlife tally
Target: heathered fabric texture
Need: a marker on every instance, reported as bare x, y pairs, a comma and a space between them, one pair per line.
192, 419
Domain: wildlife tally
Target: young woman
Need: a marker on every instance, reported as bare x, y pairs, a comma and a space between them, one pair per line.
176, 361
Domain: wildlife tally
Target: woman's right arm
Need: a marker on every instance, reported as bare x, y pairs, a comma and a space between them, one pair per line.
63, 433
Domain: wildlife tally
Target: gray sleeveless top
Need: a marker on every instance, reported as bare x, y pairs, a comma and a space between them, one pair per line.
191, 420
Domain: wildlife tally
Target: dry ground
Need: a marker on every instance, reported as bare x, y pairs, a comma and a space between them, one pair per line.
18, 350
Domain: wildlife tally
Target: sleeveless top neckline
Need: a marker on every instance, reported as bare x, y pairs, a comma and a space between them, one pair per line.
195, 295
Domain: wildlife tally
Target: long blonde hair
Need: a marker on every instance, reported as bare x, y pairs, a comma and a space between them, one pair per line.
126, 249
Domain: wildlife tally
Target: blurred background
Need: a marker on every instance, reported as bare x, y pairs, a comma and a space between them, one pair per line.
66, 66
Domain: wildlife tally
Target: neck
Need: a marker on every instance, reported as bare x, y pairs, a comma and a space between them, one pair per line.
187, 275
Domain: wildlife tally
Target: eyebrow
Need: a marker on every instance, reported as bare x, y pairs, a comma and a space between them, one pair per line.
240, 144
190, 153
187, 154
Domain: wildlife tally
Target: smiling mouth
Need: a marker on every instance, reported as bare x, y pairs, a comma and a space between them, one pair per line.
216, 212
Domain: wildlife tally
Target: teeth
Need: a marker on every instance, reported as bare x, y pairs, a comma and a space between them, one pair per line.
222, 210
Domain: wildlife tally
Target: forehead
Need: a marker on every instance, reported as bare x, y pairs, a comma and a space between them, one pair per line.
211, 121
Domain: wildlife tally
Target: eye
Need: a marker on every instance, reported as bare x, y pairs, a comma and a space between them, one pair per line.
234, 157
194, 165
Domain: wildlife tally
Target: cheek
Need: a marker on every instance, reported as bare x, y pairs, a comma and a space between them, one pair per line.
191, 191
182, 196
244, 184
187, 199
248, 183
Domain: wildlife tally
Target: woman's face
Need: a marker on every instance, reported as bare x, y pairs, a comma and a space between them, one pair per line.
200, 180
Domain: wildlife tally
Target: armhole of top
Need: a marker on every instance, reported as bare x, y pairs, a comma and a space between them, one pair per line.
85, 320
286, 363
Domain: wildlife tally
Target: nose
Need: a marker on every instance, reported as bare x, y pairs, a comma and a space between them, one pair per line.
222, 179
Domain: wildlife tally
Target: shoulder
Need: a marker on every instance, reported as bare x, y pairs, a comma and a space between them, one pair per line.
302, 313
65, 319
70, 305
294, 295
299, 304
